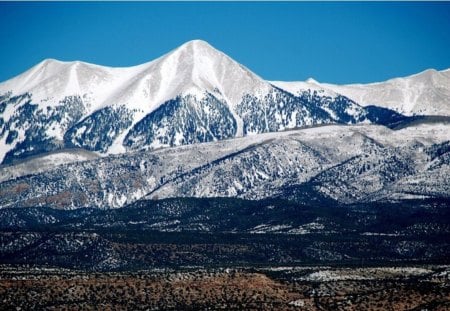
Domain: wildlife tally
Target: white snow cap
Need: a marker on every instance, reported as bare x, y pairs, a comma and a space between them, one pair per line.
424, 93
194, 67
199, 65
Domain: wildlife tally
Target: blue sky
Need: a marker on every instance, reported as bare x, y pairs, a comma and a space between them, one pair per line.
332, 42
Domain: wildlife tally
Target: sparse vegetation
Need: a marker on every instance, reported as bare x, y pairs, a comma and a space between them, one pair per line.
114, 260
226, 289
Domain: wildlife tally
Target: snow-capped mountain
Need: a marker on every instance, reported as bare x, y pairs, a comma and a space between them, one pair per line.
425, 93
76, 135
193, 94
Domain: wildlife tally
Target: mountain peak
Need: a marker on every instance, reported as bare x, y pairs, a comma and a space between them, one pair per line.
196, 52
49, 61
197, 44
198, 65
311, 80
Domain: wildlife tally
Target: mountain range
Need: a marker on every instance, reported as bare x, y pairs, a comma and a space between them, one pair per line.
425, 93
195, 123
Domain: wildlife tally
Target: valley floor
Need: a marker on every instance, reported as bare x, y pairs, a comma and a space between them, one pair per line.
282, 288
227, 254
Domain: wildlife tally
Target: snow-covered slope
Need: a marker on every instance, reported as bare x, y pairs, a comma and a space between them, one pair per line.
425, 93
44, 162
193, 94
193, 67
299, 87
51, 81
347, 164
